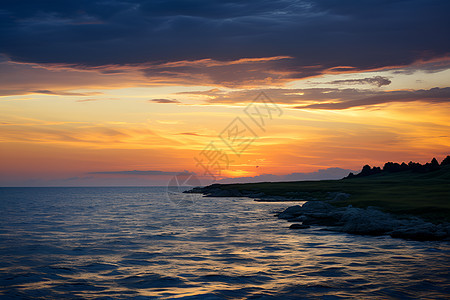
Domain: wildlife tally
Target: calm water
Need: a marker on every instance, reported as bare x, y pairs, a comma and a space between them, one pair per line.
121, 243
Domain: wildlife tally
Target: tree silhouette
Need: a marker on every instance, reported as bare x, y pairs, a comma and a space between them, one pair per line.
446, 161
392, 167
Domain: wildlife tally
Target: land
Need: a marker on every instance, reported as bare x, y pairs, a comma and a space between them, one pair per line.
408, 203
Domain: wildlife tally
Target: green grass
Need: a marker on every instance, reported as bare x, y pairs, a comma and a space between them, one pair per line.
426, 195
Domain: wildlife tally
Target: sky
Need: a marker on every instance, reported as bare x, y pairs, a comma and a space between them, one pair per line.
102, 93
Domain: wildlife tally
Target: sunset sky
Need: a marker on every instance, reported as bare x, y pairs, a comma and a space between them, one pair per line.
131, 92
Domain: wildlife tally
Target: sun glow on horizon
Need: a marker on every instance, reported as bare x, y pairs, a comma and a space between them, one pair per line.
73, 130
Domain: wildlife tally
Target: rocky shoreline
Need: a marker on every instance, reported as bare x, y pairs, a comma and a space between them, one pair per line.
362, 221
215, 190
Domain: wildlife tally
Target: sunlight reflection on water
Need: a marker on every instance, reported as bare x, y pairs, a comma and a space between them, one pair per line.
131, 242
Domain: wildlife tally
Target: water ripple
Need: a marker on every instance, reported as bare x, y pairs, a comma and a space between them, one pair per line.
132, 243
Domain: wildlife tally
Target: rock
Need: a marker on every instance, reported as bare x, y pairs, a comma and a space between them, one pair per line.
252, 194
423, 232
218, 193
295, 194
298, 219
273, 198
255, 195
299, 226
317, 206
247, 192
291, 212
367, 221
444, 227
340, 197
321, 220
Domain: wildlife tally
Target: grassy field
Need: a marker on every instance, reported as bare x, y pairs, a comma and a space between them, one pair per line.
424, 194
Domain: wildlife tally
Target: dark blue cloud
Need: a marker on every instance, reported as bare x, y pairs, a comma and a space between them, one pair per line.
363, 34
141, 173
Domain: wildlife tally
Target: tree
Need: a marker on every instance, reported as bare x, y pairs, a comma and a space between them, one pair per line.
366, 170
434, 165
446, 161
391, 167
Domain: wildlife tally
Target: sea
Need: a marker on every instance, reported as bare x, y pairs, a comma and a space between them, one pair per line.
154, 243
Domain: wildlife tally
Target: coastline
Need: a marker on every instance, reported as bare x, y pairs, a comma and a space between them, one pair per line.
370, 220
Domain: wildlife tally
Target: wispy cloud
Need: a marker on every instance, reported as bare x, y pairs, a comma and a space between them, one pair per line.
130, 136
163, 101
190, 133
233, 73
95, 99
434, 95
141, 173
51, 79
377, 80
325, 98
62, 93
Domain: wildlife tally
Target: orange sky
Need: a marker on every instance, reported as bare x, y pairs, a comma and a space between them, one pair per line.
61, 125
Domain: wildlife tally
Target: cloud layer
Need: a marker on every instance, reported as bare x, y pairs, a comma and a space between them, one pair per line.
316, 34
377, 80
326, 98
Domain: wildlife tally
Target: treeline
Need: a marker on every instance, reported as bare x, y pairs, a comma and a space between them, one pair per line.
393, 167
